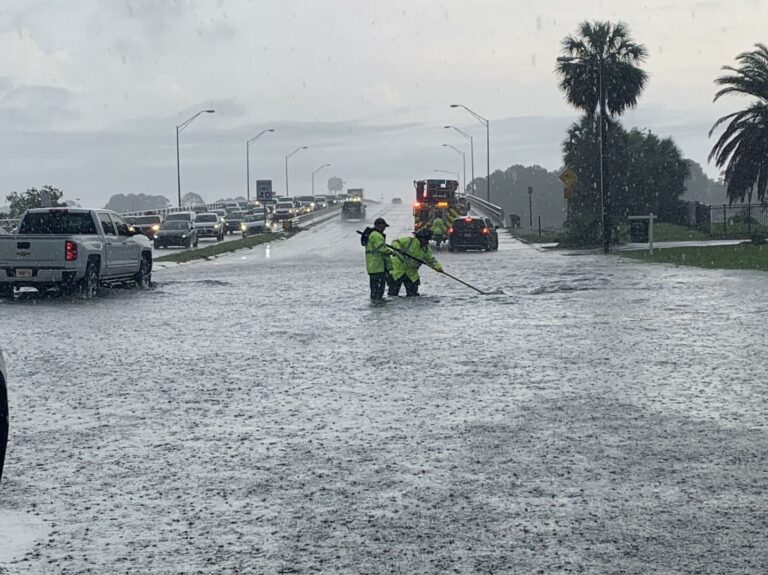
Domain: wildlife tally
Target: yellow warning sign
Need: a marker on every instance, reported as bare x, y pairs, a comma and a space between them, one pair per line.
568, 177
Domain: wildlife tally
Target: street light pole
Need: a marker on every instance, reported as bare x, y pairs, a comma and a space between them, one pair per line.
179, 128
487, 125
605, 236
248, 161
313, 177
463, 162
286, 166
471, 154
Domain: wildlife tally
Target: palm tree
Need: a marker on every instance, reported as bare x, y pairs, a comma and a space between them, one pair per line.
600, 71
602, 51
743, 146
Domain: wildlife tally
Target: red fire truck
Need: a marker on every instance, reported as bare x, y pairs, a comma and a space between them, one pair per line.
435, 198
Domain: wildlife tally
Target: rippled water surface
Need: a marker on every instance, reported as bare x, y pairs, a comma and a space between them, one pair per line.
257, 414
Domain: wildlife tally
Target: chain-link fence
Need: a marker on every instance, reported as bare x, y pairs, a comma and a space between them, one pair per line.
737, 221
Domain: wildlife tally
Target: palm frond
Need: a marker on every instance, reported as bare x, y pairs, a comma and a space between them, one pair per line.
602, 47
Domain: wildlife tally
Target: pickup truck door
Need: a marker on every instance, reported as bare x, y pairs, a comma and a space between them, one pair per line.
128, 251
111, 247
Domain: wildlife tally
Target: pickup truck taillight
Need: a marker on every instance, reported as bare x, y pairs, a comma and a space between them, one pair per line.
70, 251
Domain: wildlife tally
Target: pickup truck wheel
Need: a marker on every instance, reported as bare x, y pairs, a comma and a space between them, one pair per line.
89, 285
144, 275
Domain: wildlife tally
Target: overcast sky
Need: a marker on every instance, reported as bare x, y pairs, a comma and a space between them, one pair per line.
91, 91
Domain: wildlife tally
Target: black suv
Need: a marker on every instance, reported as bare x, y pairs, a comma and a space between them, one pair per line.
353, 210
473, 233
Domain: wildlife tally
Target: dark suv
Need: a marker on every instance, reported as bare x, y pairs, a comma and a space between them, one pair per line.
353, 210
473, 233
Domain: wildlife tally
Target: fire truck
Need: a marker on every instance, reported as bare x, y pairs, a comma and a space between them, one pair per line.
435, 198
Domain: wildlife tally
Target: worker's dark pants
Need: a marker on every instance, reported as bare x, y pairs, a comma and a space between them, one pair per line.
411, 288
3, 425
378, 284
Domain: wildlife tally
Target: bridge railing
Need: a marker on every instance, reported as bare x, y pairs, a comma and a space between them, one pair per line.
165, 211
496, 213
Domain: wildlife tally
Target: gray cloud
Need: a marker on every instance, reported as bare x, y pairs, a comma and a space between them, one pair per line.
31, 107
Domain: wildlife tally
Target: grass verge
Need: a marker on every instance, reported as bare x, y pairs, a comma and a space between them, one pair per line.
663, 232
533, 237
738, 257
219, 248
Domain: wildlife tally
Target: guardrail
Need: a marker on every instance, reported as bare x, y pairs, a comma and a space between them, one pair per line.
496, 213
165, 211
316, 217
313, 217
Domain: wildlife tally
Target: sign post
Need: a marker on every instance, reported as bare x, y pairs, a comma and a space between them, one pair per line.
650, 218
263, 190
46, 201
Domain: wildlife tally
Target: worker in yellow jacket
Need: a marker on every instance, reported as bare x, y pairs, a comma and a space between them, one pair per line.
405, 267
438, 231
377, 260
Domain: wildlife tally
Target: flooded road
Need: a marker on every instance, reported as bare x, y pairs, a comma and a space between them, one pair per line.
256, 414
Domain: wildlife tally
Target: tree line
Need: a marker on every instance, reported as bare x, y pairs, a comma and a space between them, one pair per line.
509, 187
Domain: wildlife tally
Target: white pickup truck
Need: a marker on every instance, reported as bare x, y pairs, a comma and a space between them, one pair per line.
74, 250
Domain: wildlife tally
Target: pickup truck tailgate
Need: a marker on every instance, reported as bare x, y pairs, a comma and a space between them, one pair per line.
34, 251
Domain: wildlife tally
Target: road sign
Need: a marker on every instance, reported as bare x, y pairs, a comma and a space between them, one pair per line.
568, 177
263, 189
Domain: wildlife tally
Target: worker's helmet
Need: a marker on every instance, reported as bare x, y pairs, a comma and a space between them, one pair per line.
424, 234
380, 221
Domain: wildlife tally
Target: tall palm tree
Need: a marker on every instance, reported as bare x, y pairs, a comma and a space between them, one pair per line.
607, 50
742, 148
600, 70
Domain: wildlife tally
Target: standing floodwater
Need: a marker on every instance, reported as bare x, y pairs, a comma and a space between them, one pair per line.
256, 414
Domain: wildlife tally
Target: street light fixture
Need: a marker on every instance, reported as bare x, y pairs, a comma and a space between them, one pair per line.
179, 128
313, 177
486, 123
463, 162
286, 166
580, 62
471, 154
248, 161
